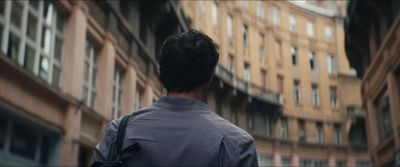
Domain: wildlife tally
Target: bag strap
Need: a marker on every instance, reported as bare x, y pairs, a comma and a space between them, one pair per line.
121, 133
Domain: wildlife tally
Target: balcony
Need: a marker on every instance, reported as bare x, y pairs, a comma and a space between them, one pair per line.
252, 91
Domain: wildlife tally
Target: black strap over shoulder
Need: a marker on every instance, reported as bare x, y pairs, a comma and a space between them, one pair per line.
121, 133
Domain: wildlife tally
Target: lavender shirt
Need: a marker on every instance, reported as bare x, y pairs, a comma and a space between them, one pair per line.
177, 131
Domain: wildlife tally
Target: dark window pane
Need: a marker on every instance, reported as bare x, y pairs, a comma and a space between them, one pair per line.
93, 99
16, 14
3, 125
32, 27
85, 94
86, 72
46, 40
34, 4
58, 49
88, 47
43, 67
29, 59
94, 78
56, 76
13, 46
23, 142
60, 21
44, 151
2, 7
1, 32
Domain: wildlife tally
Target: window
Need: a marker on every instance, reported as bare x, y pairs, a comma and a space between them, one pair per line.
320, 132
250, 120
246, 73
337, 128
284, 129
331, 65
260, 9
138, 97
286, 162
117, 93
383, 114
276, 16
315, 95
27, 143
280, 84
341, 163
231, 64
245, 36
334, 101
229, 23
363, 163
328, 33
263, 79
297, 92
312, 60
313, 163
310, 29
90, 73
302, 131
262, 46
215, 14
294, 53
268, 125
264, 160
42, 55
292, 23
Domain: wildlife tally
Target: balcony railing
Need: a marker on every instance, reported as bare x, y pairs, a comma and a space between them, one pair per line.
262, 94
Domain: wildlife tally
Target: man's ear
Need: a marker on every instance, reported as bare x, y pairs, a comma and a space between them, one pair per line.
211, 77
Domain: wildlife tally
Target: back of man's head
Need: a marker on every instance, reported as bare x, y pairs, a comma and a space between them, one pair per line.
187, 61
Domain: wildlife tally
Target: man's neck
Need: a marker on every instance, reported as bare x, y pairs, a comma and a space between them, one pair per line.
195, 94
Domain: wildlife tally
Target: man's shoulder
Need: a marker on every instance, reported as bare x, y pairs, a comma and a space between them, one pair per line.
113, 125
233, 135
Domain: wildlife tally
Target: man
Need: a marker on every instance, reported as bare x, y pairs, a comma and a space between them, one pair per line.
179, 129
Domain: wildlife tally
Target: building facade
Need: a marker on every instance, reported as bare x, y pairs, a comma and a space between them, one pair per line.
372, 46
284, 77
69, 67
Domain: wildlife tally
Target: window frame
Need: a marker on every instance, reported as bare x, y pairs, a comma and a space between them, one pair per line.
337, 129
297, 91
310, 29
294, 55
247, 73
276, 16
117, 92
292, 23
312, 60
284, 128
320, 133
315, 95
92, 59
25, 42
334, 97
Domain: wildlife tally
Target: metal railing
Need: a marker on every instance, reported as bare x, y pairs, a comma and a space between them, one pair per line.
228, 77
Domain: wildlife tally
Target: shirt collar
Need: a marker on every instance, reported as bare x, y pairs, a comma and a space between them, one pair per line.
176, 103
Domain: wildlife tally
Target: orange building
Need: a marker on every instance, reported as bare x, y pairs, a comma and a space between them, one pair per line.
69, 67
284, 77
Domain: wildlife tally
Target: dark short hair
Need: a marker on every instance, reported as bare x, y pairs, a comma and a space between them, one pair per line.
187, 61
